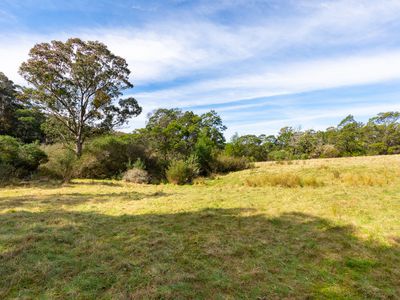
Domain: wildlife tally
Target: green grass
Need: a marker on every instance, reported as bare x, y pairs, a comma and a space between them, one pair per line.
216, 239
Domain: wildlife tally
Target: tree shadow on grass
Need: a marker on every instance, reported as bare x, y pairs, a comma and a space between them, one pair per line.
53, 201
46, 184
209, 254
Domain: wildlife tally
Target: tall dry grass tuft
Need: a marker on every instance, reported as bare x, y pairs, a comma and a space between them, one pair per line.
287, 180
353, 179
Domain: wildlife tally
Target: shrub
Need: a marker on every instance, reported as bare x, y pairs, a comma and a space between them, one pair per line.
224, 164
394, 150
287, 180
279, 155
204, 151
136, 175
108, 156
17, 159
9, 147
62, 162
139, 164
31, 156
327, 151
181, 172
7, 172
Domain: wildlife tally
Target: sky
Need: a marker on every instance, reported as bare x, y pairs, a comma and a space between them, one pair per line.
261, 64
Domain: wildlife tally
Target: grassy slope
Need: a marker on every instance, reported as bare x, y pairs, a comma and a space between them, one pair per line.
220, 239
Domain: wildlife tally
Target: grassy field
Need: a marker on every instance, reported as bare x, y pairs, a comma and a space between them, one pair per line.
317, 229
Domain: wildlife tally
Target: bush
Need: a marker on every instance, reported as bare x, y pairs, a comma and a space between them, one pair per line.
136, 175
62, 162
279, 155
17, 159
139, 164
224, 164
204, 151
31, 156
109, 156
7, 172
181, 172
327, 151
9, 147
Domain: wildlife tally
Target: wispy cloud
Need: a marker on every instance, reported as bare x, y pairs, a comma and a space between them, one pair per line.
208, 56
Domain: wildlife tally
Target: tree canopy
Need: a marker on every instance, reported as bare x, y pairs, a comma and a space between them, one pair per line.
79, 84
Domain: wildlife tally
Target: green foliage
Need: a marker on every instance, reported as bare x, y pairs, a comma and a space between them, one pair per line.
279, 155
17, 159
249, 146
204, 150
18, 119
224, 164
381, 135
172, 133
31, 156
62, 163
8, 104
7, 172
79, 84
139, 164
107, 156
182, 172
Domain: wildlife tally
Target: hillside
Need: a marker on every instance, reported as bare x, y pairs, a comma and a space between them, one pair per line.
327, 228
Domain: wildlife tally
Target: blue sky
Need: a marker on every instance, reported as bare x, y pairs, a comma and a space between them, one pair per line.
261, 64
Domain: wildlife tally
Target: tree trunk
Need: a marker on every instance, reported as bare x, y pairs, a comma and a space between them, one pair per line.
78, 146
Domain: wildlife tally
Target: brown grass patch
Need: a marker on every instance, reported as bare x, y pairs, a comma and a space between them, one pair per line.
287, 180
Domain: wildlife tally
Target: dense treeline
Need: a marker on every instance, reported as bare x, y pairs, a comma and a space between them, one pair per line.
379, 136
63, 126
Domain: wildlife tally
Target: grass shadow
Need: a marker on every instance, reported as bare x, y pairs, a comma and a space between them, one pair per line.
54, 201
208, 254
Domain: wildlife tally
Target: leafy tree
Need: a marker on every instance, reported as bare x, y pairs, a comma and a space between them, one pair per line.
285, 138
382, 133
78, 84
173, 133
16, 119
306, 143
18, 159
349, 137
8, 104
250, 146
212, 126
28, 127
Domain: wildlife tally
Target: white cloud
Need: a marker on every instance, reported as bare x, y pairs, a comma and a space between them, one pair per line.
165, 49
245, 61
285, 79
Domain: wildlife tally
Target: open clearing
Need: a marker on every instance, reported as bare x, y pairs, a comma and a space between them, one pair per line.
333, 232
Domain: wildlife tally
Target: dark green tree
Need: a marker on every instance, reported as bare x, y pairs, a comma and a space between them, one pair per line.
349, 138
382, 133
8, 104
173, 133
17, 119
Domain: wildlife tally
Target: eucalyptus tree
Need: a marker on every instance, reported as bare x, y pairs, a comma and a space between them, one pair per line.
79, 84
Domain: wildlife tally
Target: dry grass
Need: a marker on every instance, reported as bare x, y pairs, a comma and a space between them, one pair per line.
288, 180
219, 239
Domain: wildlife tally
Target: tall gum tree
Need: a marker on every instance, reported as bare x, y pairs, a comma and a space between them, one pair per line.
79, 83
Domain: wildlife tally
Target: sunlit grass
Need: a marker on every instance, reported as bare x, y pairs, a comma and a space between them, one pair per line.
215, 239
